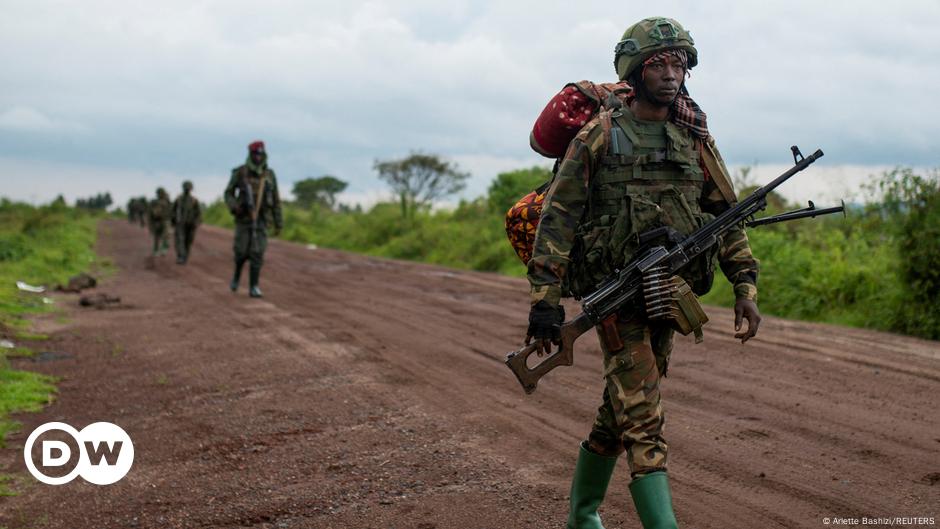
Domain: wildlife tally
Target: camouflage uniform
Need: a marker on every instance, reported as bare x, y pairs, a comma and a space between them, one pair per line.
600, 200
187, 215
140, 210
158, 218
268, 206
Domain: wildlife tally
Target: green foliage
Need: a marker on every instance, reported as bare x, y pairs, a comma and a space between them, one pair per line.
320, 191
21, 391
217, 214
420, 179
508, 188
879, 268
909, 211
41, 246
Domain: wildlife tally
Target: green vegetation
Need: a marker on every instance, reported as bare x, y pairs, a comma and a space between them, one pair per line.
320, 191
878, 268
40, 246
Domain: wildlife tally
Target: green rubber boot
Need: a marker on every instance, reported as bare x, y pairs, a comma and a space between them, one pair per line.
653, 501
591, 476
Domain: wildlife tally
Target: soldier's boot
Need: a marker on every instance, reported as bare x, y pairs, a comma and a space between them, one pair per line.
588, 487
238, 275
254, 274
653, 501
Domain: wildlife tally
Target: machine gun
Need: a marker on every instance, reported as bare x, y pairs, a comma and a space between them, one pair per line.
654, 265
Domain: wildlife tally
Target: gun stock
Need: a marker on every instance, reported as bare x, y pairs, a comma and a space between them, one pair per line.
564, 356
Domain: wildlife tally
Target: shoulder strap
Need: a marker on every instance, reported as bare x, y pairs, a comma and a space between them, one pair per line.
260, 198
717, 172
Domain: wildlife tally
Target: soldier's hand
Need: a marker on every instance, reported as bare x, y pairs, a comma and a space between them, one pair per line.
746, 309
545, 322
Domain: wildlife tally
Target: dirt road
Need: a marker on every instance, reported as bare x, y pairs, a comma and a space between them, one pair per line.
365, 393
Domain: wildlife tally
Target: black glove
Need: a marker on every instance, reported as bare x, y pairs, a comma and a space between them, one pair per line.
545, 321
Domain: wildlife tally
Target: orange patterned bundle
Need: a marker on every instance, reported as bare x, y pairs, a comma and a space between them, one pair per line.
522, 220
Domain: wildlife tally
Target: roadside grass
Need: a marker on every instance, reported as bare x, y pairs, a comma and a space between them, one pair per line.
41, 246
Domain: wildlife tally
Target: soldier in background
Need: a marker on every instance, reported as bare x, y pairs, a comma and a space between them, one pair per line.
143, 206
187, 216
629, 170
137, 210
253, 199
158, 219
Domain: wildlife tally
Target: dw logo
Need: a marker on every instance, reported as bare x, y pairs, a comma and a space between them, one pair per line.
104, 453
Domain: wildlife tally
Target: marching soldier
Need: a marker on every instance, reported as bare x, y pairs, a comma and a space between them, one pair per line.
649, 163
158, 218
253, 199
187, 215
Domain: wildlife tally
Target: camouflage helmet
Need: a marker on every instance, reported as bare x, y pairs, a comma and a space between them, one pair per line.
647, 37
161, 192
187, 186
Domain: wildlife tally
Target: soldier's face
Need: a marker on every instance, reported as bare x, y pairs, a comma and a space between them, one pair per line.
663, 78
257, 157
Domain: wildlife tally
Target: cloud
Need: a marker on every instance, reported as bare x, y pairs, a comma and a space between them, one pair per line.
26, 119
181, 87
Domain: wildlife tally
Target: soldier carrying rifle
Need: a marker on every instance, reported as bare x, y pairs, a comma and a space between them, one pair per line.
253, 199
649, 162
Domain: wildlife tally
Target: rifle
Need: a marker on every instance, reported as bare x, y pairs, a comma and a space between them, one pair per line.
625, 286
253, 208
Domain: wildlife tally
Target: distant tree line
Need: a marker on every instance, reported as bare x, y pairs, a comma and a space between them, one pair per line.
101, 201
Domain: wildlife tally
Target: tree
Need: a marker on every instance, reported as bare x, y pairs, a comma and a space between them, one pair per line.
99, 201
509, 187
420, 179
322, 190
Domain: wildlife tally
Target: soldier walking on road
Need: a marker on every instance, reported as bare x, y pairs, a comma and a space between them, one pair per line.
187, 216
158, 218
252, 197
646, 163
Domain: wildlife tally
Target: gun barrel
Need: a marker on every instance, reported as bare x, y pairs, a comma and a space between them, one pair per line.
793, 215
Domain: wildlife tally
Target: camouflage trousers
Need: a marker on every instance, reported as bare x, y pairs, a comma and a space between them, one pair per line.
184, 235
161, 238
246, 249
631, 417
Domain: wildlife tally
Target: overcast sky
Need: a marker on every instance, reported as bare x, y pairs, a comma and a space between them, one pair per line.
123, 96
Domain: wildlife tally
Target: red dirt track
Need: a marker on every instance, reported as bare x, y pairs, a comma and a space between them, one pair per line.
367, 393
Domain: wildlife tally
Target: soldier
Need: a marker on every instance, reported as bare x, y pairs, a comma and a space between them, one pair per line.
629, 170
187, 216
253, 199
141, 210
158, 217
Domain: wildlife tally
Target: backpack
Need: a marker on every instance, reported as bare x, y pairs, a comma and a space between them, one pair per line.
556, 126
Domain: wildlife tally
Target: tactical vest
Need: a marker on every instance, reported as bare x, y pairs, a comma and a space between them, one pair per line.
160, 210
186, 209
649, 177
265, 202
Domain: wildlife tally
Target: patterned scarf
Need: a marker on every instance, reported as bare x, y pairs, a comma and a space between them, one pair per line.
257, 168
